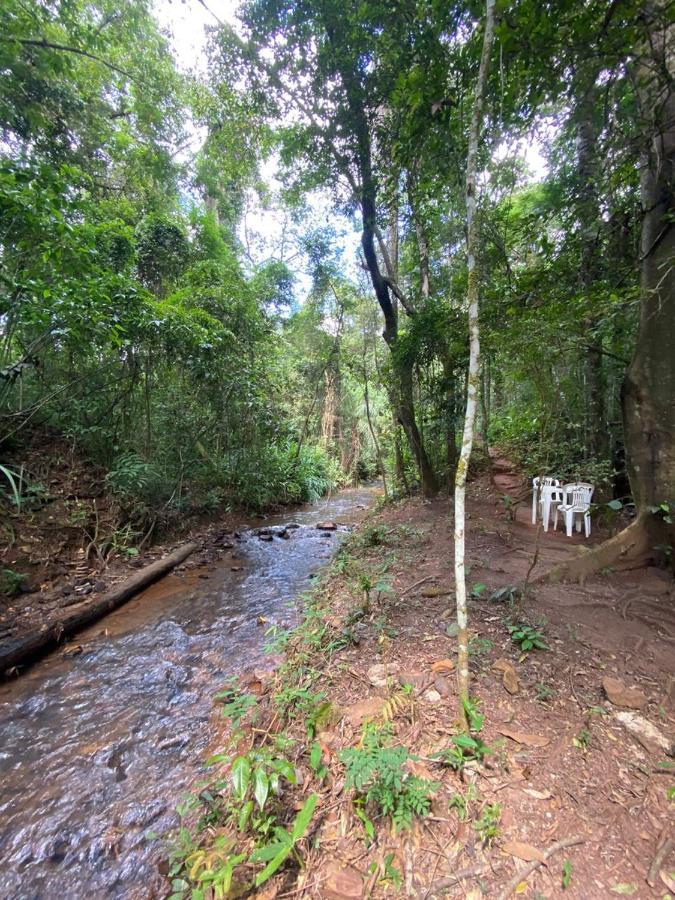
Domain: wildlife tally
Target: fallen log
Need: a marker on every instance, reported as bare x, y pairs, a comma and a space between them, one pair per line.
28, 647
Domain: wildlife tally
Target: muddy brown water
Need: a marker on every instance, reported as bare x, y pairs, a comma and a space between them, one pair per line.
97, 749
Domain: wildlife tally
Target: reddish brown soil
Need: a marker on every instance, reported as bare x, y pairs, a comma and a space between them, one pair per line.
589, 777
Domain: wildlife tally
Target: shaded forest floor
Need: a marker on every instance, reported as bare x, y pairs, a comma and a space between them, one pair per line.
566, 759
72, 538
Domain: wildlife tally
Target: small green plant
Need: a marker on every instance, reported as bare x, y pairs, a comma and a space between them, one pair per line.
372, 536
509, 593
383, 630
236, 703
462, 802
316, 761
566, 874
254, 778
582, 740
477, 590
466, 747
527, 637
375, 771
391, 875
14, 479
544, 691
284, 843
206, 868
487, 824
10, 582
480, 646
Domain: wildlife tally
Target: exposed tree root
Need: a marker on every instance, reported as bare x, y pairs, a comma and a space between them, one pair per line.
630, 549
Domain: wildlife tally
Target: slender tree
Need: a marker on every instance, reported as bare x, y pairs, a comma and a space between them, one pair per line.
474, 361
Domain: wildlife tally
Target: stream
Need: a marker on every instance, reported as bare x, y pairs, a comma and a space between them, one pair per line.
97, 749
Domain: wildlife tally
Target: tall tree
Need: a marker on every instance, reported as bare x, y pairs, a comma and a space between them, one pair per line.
649, 384
473, 377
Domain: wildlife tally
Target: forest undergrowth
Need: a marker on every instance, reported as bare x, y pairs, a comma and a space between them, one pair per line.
345, 773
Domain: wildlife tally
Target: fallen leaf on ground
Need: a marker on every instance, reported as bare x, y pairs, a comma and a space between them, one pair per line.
367, 709
625, 888
342, 883
523, 851
522, 737
620, 695
443, 665
435, 591
668, 878
509, 675
538, 795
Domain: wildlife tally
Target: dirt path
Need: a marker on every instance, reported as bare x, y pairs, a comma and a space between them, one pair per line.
563, 761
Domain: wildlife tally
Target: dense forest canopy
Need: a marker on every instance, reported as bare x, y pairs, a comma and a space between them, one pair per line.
136, 321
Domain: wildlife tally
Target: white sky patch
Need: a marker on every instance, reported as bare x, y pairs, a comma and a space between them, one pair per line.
266, 231
185, 23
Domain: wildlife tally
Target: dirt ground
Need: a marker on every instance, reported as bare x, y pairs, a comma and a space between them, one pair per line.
564, 763
66, 545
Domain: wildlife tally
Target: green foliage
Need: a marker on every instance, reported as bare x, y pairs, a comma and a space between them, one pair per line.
466, 747
10, 582
544, 691
376, 772
527, 637
487, 824
566, 874
236, 703
280, 848
462, 802
582, 740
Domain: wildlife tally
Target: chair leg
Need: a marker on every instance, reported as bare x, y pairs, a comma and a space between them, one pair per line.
534, 507
546, 513
578, 524
555, 518
587, 524
569, 518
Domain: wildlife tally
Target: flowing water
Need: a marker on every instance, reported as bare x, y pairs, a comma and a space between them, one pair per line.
97, 749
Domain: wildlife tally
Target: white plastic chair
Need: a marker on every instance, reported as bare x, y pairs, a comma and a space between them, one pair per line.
576, 505
544, 493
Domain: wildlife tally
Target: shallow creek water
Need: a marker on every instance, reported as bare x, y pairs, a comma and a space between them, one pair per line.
97, 749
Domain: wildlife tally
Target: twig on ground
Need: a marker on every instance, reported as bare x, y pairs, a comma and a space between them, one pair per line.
416, 584
470, 872
522, 874
658, 861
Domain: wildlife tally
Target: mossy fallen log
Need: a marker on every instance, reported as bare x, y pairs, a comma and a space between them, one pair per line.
26, 648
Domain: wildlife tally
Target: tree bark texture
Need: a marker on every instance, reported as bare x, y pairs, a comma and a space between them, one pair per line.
474, 364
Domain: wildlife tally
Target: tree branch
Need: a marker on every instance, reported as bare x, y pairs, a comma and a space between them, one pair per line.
49, 45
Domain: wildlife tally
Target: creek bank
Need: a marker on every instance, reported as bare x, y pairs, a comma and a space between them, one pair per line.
66, 583
24, 650
100, 745
562, 757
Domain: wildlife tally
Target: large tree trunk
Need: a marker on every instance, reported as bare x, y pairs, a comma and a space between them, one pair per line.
587, 164
474, 367
649, 384
405, 412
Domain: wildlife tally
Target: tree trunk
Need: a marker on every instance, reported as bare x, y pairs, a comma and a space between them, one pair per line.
405, 412
649, 384
451, 453
597, 441
474, 367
